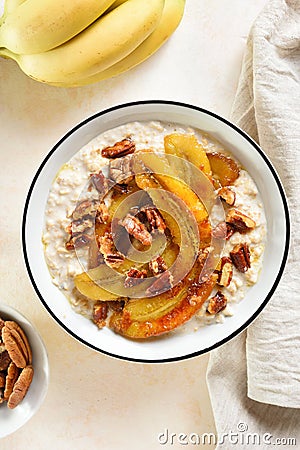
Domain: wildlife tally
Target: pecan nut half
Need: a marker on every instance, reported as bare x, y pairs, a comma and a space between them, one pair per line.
225, 271
226, 194
240, 256
239, 221
119, 149
217, 303
155, 219
137, 229
78, 241
16, 344
11, 378
100, 182
83, 221
21, 387
120, 171
111, 256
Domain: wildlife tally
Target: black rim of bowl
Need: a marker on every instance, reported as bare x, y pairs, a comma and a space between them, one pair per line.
253, 144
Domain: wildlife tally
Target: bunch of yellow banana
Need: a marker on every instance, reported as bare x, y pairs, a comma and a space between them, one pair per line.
77, 42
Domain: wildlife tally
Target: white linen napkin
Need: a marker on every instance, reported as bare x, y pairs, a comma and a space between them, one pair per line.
263, 363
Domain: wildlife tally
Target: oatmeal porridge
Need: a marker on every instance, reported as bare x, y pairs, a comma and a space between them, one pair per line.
89, 234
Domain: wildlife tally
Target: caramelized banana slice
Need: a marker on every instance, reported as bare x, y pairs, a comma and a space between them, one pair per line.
224, 168
167, 176
87, 287
187, 146
143, 318
147, 182
186, 194
205, 231
170, 254
104, 283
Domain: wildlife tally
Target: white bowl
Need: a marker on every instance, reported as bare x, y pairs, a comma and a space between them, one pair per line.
174, 346
12, 419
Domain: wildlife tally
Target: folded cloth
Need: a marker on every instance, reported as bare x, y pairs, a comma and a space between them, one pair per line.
263, 363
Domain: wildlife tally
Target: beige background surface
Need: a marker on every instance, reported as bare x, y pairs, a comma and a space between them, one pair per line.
95, 401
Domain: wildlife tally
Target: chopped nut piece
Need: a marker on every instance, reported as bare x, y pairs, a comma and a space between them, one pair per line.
120, 170
134, 277
121, 148
240, 221
100, 182
100, 313
157, 265
137, 229
225, 271
217, 303
83, 221
116, 305
95, 258
79, 226
155, 219
78, 241
122, 188
162, 283
205, 264
102, 214
84, 209
226, 194
223, 231
240, 256
195, 289
112, 257
203, 254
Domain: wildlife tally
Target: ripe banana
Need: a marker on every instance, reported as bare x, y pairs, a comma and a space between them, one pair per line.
108, 40
11, 5
170, 19
115, 4
36, 26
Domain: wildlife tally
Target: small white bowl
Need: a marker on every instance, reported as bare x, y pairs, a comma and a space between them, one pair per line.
13, 419
176, 345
